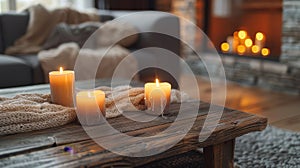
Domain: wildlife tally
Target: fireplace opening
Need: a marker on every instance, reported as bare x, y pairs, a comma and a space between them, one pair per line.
243, 28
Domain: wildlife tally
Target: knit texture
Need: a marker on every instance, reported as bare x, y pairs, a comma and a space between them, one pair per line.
126, 98
29, 112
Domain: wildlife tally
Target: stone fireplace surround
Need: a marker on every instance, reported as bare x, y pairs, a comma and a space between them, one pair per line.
284, 75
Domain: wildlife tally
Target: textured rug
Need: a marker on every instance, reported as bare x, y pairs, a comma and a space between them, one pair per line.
270, 148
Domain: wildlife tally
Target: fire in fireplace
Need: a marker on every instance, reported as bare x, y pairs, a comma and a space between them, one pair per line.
250, 28
241, 43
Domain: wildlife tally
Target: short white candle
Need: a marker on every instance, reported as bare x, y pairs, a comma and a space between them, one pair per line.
89, 105
156, 95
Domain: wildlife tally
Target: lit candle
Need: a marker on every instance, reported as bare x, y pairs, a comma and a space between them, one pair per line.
241, 49
225, 47
62, 86
242, 34
157, 96
235, 42
230, 41
255, 49
265, 52
260, 40
89, 105
248, 44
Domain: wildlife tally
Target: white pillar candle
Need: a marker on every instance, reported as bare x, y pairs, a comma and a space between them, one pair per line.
156, 95
62, 86
260, 39
89, 105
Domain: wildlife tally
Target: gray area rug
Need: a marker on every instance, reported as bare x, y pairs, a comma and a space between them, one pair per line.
272, 147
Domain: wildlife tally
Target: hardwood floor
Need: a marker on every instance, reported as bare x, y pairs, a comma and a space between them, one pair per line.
282, 110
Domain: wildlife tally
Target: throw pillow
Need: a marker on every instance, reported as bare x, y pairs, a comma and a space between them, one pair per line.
106, 34
64, 33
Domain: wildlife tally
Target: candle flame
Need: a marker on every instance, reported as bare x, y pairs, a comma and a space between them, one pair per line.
225, 47
265, 52
61, 69
248, 42
259, 36
255, 49
242, 34
241, 49
157, 82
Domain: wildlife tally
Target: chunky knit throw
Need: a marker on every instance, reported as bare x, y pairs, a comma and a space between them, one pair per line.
28, 112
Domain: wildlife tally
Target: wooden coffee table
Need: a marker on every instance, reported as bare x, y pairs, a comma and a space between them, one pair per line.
45, 148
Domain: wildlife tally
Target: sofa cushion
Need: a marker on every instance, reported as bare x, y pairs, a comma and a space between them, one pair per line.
155, 62
14, 25
1, 37
105, 18
14, 72
37, 72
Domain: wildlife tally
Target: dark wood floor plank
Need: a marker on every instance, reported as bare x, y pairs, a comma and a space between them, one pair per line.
291, 123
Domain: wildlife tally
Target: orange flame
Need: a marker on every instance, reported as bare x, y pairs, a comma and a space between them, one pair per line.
61, 69
259, 36
157, 82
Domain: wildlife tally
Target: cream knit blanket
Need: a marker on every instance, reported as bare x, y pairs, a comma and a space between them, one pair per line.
28, 112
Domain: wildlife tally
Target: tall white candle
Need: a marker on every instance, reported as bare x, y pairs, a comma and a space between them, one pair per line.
62, 86
260, 39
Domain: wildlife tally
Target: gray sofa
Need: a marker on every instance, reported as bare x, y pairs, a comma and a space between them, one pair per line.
26, 70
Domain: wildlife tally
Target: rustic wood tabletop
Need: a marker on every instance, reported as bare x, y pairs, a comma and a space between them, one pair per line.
46, 148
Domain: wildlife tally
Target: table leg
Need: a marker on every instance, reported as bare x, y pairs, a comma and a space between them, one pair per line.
219, 155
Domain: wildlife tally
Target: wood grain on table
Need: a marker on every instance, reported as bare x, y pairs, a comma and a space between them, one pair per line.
46, 147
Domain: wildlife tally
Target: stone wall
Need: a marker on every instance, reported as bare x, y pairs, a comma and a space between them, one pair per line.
290, 49
271, 75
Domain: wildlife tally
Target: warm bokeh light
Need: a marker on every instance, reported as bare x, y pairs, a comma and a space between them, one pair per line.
241, 43
255, 49
241, 49
265, 52
242, 34
248, 42
225, 47
259, 36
